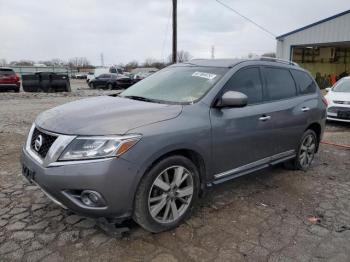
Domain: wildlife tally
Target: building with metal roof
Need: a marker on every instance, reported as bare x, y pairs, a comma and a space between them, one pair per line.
323, 47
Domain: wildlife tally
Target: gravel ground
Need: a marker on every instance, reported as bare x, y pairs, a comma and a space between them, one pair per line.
273, 215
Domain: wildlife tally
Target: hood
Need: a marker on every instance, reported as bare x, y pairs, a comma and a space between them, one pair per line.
104, 115
338, 96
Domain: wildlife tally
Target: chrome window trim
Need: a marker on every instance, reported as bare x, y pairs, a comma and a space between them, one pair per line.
267, 160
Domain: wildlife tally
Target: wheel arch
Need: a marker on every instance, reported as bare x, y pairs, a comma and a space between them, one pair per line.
316, 127
192, 155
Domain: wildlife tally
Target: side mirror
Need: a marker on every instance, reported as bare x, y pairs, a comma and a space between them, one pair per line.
328, 89
232, 99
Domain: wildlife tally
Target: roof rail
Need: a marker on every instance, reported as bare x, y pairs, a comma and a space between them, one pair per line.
278, 60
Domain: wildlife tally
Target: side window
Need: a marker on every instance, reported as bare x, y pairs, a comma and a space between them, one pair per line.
248, 82
279, 83
304, 82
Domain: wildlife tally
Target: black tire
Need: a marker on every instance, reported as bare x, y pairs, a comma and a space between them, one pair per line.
91, 85
142, 214
109, 86
68, 88
295, 163
16, 90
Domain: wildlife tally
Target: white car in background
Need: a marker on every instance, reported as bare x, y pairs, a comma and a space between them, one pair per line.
90, 76
338, 98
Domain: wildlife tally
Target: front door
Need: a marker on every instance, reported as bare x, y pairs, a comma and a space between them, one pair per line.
242, 138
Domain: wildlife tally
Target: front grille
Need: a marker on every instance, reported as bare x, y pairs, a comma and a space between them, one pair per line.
47, 141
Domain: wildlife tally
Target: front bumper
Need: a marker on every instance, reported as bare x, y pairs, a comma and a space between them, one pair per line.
114, 178
10, 86
334, 111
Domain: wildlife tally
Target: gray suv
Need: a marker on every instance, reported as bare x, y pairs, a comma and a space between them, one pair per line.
149, 152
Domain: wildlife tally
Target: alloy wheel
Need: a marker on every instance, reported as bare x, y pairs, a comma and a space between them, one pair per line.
307, 151
171, 194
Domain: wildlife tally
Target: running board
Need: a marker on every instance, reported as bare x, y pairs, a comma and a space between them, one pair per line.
253, 167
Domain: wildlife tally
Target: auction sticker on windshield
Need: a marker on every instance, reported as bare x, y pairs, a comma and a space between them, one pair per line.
204, 75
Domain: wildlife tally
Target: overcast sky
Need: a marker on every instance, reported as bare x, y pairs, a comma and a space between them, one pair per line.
125, 30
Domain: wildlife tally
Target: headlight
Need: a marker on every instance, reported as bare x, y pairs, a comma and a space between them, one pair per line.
82, 148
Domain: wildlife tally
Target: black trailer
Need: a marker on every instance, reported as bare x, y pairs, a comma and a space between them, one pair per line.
46, 82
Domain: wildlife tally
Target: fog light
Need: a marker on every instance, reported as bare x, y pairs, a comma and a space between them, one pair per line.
92, 198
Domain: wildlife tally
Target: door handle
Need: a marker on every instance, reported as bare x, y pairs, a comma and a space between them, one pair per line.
305, 109
265, 118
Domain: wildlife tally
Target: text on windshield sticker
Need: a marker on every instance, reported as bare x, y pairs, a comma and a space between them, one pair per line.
204, 75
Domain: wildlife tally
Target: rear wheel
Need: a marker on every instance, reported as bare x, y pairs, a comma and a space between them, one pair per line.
92, 85
68, 88
109, 86
306, 152
16, 90
166, 194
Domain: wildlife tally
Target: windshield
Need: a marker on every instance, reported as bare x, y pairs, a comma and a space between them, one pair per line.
183, 84
342, 86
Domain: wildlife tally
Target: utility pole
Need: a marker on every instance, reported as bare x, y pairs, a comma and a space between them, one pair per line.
174, 31
212, 52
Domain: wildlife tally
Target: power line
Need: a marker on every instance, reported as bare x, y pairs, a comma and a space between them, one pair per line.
166, 33
246, 18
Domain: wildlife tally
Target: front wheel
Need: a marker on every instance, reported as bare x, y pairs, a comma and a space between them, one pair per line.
306, 152
166, 194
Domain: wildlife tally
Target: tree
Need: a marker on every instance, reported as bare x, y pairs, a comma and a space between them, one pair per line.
149, 62
131, 65
79, 62
3, 62
22, 62
57, 62
252, 55
270, 54
181, 56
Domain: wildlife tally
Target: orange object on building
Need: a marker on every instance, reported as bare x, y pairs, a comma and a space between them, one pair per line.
333, 78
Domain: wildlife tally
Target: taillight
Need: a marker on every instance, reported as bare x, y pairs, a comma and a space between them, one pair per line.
324, 100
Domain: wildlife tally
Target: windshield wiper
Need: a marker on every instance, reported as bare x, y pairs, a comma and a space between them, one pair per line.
140, 98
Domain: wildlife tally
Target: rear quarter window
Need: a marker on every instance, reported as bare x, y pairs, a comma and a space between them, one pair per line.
6, 71
279, 83
305, 83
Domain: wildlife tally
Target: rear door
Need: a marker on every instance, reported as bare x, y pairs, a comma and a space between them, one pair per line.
102, 80
284, 108
309, 102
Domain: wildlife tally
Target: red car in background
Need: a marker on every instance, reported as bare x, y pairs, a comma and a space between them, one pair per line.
9, 80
